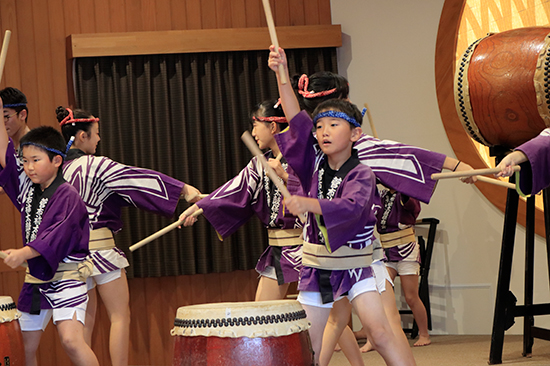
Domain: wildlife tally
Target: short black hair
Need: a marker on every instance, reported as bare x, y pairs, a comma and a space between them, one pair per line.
45, 136
322, 81
341, 105
267, 109
11, 95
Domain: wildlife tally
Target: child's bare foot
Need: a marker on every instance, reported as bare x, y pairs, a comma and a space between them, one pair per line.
422, 341
362, 334
337, 348
366, 348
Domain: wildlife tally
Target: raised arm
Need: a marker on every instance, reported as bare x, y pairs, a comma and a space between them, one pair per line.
4, 140
288, 98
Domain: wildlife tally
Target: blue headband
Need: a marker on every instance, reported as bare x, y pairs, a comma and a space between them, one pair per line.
55, 151
336, 114
15, 105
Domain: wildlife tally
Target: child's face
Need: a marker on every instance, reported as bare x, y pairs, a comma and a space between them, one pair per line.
38, 167
90, 142
263, 134
335, 136
14, 121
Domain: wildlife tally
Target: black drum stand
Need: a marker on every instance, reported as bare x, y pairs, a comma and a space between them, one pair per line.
505, 307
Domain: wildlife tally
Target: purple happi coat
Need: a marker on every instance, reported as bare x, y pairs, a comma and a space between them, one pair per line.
54, 223
535, 173
251, 193
349, 205
106, 186
398, 212
406, 169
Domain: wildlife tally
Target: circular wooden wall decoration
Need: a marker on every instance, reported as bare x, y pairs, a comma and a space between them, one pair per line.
462, 23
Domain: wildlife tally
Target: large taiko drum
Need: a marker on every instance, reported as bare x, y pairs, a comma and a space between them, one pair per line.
12, 351
501, 85
259, 333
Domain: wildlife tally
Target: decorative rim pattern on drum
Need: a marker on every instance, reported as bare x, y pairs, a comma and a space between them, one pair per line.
542, 81
462, 94
253, 320
8, 310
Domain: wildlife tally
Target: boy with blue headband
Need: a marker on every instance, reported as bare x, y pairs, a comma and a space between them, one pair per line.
15, 113
55, 230
341, 214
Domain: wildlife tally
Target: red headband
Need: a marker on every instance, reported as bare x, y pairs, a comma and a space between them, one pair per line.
303, 83
70, 119
270, 119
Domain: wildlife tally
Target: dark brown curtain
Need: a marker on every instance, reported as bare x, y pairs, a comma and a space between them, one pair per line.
183, 115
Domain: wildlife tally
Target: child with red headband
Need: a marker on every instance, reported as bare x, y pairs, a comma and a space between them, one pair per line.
252, 193
106, 186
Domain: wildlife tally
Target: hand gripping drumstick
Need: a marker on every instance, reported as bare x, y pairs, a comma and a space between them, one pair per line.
4, 52
255, 150
470, 173
273, 35
174, 225
4, 255
161, 232
371, 122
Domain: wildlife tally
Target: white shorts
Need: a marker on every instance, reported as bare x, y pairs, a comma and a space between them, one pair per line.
381, 274
405, 268
269, 272
30, 322
313, 298
103, 278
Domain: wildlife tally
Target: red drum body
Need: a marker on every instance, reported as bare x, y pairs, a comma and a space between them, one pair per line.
264, 333
501, 85
12, 351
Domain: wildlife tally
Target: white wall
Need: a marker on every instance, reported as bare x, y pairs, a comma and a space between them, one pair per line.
388, 57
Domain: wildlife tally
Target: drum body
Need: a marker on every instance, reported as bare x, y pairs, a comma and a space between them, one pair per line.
264, 333
501, 87
12, 351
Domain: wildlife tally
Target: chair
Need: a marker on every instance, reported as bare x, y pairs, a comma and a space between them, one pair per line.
426, 250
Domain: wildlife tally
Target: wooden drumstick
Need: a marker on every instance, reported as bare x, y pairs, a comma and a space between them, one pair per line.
4, 52
371, 122
161, 232
4, 256
496, 182
273, 35
279, 157
255, 150
470, 173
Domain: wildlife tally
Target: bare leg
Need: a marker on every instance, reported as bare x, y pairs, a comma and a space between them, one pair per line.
392, 313
71, 333
269, 289
91, 309
116, 298
369, 307
409, 283
31, 340
318, 318
337, 322
350, 348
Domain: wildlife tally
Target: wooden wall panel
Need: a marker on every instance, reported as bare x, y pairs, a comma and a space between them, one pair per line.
36, 64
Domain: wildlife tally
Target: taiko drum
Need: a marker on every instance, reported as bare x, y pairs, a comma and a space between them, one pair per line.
263, 333
501, 85
12, 351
